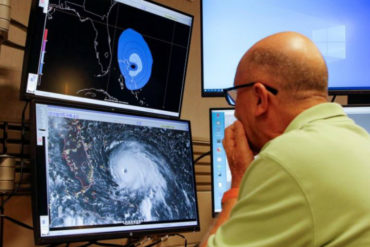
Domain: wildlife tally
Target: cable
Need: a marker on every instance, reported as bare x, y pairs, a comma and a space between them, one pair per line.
5, 137
106, 244
161, 239
18, 24
17, 222
130, 244
13, 45
333, 99
182, 236
23, 139
154, 243
201, 156
3, 202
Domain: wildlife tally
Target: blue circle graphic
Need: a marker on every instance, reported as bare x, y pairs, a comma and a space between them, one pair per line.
134, 59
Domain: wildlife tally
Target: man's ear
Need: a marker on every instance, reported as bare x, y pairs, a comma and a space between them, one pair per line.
263, 99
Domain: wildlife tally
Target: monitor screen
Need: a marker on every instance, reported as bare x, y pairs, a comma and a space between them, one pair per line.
129, 54
220, 118
359, 114
100, 174
339, 28
221, 175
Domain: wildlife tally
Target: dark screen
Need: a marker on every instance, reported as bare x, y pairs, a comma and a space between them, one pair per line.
82, 58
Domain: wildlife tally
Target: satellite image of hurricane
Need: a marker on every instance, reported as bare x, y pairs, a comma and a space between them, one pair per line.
106, 50
127, 175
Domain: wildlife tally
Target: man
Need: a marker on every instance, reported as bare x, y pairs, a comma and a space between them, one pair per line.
309, 184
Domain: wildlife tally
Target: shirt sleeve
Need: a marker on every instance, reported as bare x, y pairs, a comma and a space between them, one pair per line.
272, 210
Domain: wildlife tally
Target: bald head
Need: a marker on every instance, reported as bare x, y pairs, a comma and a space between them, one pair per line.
288, 61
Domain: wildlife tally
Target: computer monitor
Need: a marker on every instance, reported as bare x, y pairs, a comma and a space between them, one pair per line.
339, 28
220, 118
359, 114
101, 174
128, 54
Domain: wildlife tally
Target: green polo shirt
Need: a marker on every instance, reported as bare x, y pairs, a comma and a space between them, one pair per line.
308, 187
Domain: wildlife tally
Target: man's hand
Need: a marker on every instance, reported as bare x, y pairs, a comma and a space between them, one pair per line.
239, 156
238, 152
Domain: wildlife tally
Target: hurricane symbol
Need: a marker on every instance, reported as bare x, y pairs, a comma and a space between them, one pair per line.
134, 59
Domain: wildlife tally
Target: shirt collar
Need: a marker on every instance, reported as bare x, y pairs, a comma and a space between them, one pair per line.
317, 112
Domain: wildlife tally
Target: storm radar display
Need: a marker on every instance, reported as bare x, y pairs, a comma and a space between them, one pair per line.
124, 54
134, 59
107, 172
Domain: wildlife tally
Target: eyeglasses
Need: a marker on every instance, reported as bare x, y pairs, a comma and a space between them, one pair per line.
231, 92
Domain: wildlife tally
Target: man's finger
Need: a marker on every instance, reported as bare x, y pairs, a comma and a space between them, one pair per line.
228, 137
240, 136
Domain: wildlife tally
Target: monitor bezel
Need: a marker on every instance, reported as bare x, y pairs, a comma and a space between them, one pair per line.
219, 92
214, 213
356, 106
33, 41
38, 164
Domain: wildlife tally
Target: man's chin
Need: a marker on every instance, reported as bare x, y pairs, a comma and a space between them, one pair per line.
254, 149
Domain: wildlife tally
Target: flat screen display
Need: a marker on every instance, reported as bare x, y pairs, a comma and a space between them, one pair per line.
339, 28
102, 174
359, 114
129, 54
221, 118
